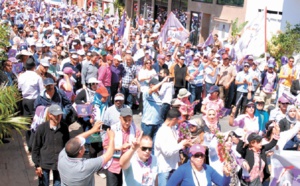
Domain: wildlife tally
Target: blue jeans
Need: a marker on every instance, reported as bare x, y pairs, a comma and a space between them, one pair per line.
128, 96
165, 107
45, 181
196, 94
207, 86
163, 178
109, 97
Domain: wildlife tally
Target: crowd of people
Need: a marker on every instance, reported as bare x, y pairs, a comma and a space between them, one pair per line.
73, 67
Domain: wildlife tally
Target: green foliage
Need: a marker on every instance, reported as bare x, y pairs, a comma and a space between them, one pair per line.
285, 43
236, 29
120, 6
9, 96
4, 41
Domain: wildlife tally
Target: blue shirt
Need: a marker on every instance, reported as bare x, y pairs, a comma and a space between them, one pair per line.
184, 176
263, 118
240, 77
152, 106
198, 80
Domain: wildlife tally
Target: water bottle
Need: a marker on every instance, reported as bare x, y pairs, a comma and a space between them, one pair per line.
246, 175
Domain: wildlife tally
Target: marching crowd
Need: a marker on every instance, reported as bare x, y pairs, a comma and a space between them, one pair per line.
74, 66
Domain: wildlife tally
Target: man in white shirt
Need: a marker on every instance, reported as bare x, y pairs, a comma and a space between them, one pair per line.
165, 93
31, 85
166, 147
138, 164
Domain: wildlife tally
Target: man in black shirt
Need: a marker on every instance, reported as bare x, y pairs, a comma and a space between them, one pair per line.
50, 139
180, 73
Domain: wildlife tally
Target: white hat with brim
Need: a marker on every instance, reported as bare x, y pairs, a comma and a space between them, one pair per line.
24, 53
183, 93
93, 80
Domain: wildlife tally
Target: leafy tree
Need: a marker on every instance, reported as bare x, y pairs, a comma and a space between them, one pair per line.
236, 29
8, 115
285, 43
9, 96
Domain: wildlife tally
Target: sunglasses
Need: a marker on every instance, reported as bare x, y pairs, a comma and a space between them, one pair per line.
260, 103
148, 63
199, 155
285, 103
251, 106
146, 148
94, 83
247, 66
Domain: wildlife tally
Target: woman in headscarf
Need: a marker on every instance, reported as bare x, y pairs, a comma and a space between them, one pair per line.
289, 120
211, 121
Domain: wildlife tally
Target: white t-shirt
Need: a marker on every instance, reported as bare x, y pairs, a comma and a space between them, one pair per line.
208, 78
167, 149
166, 92
138, 174
199, 177
145, 73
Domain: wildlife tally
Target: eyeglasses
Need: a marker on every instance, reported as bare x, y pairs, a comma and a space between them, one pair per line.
199, 155
146, 148
285, 103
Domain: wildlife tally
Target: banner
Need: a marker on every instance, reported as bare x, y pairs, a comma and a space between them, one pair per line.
209, 41
285, 168
252, 40
122, 26
173, 29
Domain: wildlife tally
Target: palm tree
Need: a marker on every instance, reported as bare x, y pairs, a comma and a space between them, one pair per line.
9, 121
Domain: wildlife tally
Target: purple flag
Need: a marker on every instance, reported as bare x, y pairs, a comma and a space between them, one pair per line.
122, 26
12, 53
221, 51
209, 40
232, 54
173, 29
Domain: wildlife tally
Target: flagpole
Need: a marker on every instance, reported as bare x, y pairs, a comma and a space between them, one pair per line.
265, 33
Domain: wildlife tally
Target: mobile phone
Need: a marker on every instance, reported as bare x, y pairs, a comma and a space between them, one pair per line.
105, 127
171, 79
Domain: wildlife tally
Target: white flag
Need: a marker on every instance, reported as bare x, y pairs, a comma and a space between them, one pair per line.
252, 40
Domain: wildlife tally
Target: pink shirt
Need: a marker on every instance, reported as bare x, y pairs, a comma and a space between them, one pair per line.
255, 171
68, 94
217, 105
104, 75
115, 165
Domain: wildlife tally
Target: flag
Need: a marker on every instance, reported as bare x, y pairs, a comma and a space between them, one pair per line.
122, 26
252, 40
117, 18
173, 29
209, 40
126, 32
285, 168
232, 54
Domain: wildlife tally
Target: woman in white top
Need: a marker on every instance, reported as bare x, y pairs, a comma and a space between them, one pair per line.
247, 121
145, 75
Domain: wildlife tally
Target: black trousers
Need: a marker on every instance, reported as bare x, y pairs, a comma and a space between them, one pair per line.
114, 90
113, 179
28, 107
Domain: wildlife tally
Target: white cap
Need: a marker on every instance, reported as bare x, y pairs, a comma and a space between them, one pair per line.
118, 57
56, 31
45, 62
75, 56
81, 52
217, 55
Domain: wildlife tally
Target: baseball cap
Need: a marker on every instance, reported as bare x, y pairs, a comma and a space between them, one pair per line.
48, 81
45, 62
250, 103
270, 65
55, 110
283, 99
125, 112
259, 99
118, 57
153, 81
102, 91
119, 96
69, 70
93, 80
182, 57
246, 64
196, 148
254, 136
250, 58
214, 88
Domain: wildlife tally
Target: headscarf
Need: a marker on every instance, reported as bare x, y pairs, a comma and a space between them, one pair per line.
290, 119
214, 122
97, 102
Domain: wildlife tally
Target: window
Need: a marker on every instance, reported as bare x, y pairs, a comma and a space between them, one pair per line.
204, 1
231, 2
